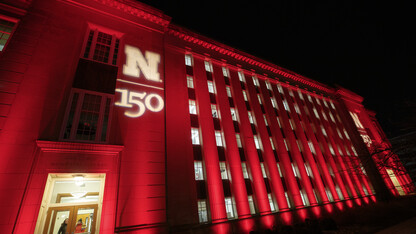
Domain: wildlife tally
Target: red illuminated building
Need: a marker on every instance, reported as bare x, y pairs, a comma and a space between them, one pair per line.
113, 118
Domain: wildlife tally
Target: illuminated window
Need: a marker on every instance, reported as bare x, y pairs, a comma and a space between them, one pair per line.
288, 200
256, 142
271, 202
224, 71
279, 169
208, 66
271, 143
102, 46
190, 82
211, 87
223, 170
228, 89
188, 60
199, 170
294, 169
304, 198
229, 208
218, 138
255, 81
273, 101
241, 76
7, 26
269, 87
311, 147
250, 117
300, 94
338, 190
251, 204
287, 147
265, 120
233, 114
87, 116
244, 169
323, 131
285, 105
245, 96
238, 139
214, 111
259, 98
279, 88
195, 136
202, 211
263, 170
329, 195
192, 107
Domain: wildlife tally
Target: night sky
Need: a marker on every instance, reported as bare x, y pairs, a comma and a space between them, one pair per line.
367, 48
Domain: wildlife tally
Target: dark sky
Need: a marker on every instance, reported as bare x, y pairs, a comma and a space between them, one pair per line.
367, 48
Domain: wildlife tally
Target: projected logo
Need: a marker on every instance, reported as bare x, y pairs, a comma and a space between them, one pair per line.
140, 71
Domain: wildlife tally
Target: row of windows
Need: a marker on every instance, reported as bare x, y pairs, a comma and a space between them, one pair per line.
257, 141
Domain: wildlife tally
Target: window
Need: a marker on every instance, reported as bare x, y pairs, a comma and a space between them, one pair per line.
87, 116
269, 87
199, 170
202, 211
280, 170
241, 76
102, 46
304, 198
245, 96
273, 102
271, 143
271, 202
251, 204
190, 82
288, 200
279, 88
255, 81
228, 89
245, 171
192, 107
229, 208
265, 120
224, 71
211, 87
294, 169
208, 66
238, 139
233, 114
195, 136
338, 190
250, 117
256, 142
188, 60
214, 111
7, 26
218, 138
285, 105
259, 98
329, 195
263, 170
223, 170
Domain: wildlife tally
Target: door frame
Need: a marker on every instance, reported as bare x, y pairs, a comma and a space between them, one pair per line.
47, 196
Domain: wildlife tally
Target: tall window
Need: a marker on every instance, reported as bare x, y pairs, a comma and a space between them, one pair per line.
214, 111
208, 66
218, 138
7, 26
245, 171
233, 114
202, 211
190, 82
87, 116
211, 87
195, 136
271, 202
229, 208
238, 139
256, 142
188, 60
251, 204
102, 47
192, 107
223, 170
199, 170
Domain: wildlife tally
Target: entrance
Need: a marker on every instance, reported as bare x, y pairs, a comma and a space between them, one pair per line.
73, 204
71, 219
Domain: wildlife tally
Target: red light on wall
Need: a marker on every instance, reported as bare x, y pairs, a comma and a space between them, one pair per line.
349, 203
267, 221
340, 206
329, 208
316, 210
302, 213
286, 218
358, 201
246, 225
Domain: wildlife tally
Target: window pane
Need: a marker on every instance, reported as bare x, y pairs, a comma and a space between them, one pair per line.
229, 207
190, 82
188, 60
192, 107
211, 87
202, 211
218, 138
195, 136
223, 170
233, 114
199, 173
90, 112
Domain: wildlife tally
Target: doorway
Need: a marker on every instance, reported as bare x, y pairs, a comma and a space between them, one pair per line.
72, 203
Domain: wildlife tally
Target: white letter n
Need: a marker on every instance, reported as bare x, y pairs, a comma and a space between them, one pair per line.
135, 61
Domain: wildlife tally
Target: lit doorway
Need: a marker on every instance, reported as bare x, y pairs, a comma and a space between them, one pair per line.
71, 203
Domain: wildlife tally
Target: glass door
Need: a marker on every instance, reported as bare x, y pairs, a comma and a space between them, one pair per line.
71, 219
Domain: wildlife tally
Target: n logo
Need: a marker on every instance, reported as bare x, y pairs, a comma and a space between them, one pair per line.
136, 62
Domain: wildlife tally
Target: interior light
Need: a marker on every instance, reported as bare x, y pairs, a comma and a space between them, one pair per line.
79, 180
78, 194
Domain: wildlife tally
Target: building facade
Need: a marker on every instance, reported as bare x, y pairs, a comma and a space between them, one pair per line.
114, 120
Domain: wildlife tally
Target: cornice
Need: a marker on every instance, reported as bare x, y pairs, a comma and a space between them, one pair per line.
133, 8
60, 146
199, 40
349, 95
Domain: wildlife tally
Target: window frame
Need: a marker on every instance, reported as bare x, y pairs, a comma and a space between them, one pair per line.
16, 23
114, 35
77, 113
